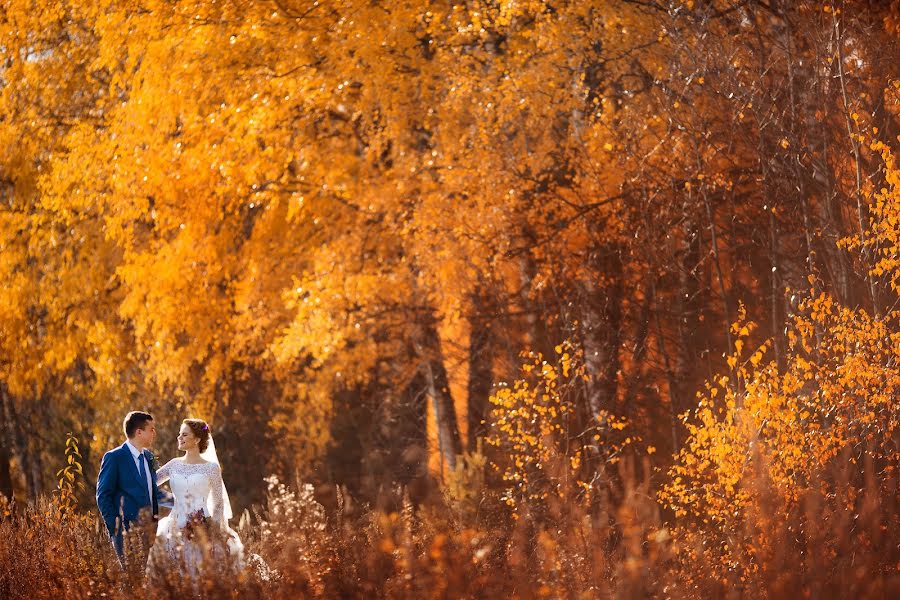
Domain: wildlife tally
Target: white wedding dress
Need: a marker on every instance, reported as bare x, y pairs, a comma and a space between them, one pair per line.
196, 487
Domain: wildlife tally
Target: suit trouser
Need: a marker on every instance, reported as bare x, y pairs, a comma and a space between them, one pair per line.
132, 541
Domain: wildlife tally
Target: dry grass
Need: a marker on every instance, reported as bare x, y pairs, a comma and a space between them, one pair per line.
842, 545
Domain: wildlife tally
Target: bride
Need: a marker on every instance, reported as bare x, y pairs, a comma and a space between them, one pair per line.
198, 523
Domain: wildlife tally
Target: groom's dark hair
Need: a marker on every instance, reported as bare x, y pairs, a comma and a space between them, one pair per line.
135, 420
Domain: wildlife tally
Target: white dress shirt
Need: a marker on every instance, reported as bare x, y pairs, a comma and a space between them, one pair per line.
135, 454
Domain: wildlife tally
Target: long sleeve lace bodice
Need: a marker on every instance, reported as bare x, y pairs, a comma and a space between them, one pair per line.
215, 491
195, 487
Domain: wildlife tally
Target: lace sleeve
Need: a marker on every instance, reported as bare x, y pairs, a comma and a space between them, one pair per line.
164, 472
215, 490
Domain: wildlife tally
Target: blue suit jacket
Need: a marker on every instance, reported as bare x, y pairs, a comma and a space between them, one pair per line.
121, 493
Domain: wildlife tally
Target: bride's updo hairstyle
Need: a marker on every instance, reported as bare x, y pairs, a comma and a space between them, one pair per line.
200, 429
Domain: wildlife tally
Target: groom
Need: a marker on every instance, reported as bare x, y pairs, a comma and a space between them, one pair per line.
126, 486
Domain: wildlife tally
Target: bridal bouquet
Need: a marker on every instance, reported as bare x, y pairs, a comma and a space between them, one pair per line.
197, 521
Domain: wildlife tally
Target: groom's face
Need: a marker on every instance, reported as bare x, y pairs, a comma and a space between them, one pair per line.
147, 435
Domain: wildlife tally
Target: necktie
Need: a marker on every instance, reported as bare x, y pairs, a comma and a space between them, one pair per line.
143, 471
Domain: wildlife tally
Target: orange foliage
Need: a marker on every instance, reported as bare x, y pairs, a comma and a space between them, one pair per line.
837, 393
542, 444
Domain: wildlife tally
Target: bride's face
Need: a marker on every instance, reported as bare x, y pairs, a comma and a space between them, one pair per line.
186, 438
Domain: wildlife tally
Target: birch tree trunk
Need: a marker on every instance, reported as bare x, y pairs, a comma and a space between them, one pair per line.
438, 385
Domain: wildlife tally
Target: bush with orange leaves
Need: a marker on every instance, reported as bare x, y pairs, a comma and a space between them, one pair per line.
830, 409
543, 447
882, 241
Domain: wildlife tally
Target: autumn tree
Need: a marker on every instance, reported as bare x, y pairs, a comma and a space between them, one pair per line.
833, 401
341, 223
